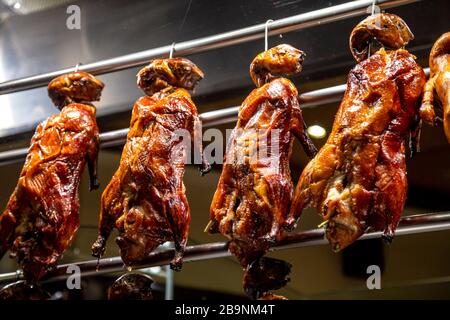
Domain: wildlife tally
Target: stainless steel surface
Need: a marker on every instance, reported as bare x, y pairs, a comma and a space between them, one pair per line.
39, 43
10, 276
209, 119
185, 48
36, 45
408, 225
12, 156
169, 284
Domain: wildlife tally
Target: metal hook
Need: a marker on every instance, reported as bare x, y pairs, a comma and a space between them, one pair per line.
172, 49
372, 13
266, 34
77, 67
374, 2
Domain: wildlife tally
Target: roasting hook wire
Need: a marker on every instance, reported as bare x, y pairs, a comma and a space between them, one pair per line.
266, 35
172, 49
372, 13
77, 67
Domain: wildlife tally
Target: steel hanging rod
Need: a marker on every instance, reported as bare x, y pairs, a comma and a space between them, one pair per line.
408, 225
211, 118
292, 23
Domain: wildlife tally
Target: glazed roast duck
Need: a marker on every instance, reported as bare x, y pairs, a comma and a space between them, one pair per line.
358, 181
41, 218
435, 109
145, 199
254, 192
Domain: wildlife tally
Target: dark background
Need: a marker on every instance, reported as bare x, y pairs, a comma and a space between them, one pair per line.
34, 39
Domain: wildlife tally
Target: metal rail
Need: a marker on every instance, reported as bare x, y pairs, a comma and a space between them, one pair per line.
408, 225
292, 23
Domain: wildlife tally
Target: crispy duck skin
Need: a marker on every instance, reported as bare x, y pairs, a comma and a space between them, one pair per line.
358, 179
146, 199
254, 193
435, 109
41, 217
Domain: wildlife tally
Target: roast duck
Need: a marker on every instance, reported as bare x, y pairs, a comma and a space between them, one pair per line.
435, 108
145, 199
254, 192
41, 218
358, 181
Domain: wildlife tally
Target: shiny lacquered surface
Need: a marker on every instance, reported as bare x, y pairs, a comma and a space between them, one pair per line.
145, 199
41, 217
435, 109
254, 191
358, 179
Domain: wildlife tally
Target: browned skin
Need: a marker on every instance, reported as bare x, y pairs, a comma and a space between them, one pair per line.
280, 60
41, 217
146, 199
253, 195
435, 108
163, 74
358, 179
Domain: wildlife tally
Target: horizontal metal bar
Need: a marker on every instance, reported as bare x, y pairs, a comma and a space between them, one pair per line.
13, 156
296, 22
408, 225
209, 119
